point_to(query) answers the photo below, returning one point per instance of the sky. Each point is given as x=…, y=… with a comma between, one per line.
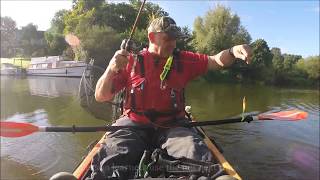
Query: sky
x=293, y=26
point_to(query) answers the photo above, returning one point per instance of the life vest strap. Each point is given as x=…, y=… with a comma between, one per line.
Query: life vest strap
x=140, y=60
x=150, y=114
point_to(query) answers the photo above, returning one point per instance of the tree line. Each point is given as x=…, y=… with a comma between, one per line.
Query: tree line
x=102, y=25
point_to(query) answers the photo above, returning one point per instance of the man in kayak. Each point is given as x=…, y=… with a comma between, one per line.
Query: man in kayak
x=154, y=82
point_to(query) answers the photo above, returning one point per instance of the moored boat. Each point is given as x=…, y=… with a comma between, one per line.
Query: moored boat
x=58, y=67
x=10, y=69
x=83, y=170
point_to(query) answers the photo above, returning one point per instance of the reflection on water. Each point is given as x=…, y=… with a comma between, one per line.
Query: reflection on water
x=266, y=149
x=38, y=117
x=42, y=151
x=44, y=102
x=53, y=87
x=21, y=171
x=258, y=150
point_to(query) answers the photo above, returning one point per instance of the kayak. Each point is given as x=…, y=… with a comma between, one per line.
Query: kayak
x=83, y=169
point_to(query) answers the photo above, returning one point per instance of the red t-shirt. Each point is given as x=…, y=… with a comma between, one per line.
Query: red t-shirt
x=148, y=94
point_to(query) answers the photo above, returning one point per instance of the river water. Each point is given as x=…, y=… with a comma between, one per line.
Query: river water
x=257, y=150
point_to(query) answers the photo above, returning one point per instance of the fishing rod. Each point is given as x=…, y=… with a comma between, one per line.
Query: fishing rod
x=136, y=21
x=127, y=44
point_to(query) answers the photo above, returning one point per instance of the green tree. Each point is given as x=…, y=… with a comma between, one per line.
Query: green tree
x=57, y=23
x=261, y=66
x=219, y=29
x=126, y=15
x=277, y=60
x=261, y=54
x=54, y=36
x=310, y=66
x=278, y=67
x=120, y=16
x=149, y=12
x=116, y=19
x=32, y=41
x=68, y=53
x=241, y=37
x=185, y=43
x=290, y=60
x=8, y=36
x=56, y=43
x=140, y=37
x=81, y=9
x=97, y=42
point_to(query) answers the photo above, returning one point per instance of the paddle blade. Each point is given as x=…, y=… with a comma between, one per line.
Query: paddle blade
x=16, y=129
x=290, y=115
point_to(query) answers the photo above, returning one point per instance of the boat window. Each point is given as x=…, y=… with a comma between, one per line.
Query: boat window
x=44, y=65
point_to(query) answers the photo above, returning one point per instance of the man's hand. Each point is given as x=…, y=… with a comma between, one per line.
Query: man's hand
x=104, y=88
x=227, y=57
x=119, y=60
x=243, y=52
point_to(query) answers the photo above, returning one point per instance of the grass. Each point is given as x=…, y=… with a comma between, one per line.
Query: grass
x=21, y=62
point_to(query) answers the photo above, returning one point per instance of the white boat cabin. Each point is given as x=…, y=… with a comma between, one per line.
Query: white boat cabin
x=51, y=62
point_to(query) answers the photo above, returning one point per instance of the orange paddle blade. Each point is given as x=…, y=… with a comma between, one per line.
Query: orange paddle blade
x=290, y=115
x=16, y=129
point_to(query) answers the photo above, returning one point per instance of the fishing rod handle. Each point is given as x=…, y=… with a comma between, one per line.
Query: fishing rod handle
x=129, y=45
x=126, y=44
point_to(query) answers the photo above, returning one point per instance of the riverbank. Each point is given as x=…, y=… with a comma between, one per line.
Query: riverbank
x=298, y=83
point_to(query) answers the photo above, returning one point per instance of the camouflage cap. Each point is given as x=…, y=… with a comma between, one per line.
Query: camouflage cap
x=167, y=25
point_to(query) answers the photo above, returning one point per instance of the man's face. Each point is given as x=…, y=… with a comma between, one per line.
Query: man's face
x=164, y=44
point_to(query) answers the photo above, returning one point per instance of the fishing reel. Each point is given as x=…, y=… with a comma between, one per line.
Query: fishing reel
x=130, y=46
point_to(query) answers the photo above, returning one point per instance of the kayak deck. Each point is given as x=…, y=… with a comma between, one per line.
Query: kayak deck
x=84, y=167
x=215, y=151
x=83, y=170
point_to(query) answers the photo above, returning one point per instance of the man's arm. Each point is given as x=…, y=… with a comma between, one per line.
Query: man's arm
x=227, y=57
x=104, y=88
